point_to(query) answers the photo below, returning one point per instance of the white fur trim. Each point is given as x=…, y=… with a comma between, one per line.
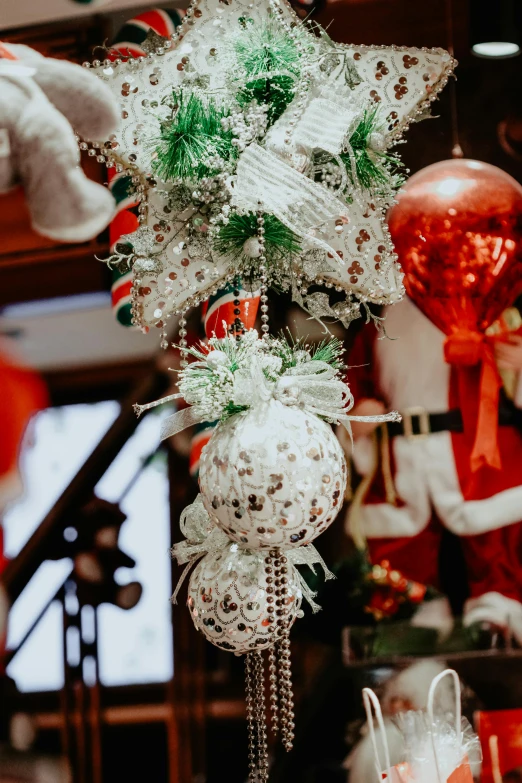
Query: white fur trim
x=479, y=516
x=87, y=226
x=426, y=477
x=411, y=368
x=497, y=609
x=361, y=761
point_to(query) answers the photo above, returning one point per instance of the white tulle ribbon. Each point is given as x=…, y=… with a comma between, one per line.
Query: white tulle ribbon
x=308, y=555
x=311, y=385
x=203, y=538
x=325, y=125
x=314, y=387
x=264, y=181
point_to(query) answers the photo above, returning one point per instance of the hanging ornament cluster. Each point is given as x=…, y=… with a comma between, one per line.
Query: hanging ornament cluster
x=247, y=111
x=272, y=478
x=261, y=153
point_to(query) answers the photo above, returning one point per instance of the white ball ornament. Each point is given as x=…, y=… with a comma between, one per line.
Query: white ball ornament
x=273, y=476
x=232, y=597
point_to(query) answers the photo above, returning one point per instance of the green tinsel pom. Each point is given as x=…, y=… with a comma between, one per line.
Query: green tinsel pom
x=191, y=138
x=211, y=387
x=276, y=92
x=329, y=350
x=375, y=169
x=280, y=241
x=268, y=62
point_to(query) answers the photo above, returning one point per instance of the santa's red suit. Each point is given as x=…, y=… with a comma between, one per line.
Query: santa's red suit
x=432, y=477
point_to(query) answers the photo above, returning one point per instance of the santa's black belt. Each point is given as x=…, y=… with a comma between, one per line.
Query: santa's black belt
x=417, y=422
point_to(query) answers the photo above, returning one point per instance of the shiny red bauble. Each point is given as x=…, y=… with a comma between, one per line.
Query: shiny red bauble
x=457, y=228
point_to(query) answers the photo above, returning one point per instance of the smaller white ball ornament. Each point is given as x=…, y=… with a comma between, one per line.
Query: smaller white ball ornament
x=232, y=599
x=273, y=476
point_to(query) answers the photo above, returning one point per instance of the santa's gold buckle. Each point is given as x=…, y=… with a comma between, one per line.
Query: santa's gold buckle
x=424, y=422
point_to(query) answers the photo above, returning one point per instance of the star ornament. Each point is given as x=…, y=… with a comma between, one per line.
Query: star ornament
x=252, y=136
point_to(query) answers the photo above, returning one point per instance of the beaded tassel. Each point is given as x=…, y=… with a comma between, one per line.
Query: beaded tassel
x=286, y=717
x=280, y=675
x=256, y=718
x=286, y=703
x=274, y=691
x=262, y=274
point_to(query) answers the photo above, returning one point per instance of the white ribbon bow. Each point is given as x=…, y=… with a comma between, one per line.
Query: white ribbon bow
x=263, y=180
x=311, y=385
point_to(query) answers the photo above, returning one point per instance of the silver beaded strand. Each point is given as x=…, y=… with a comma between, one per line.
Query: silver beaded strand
x=252, y=741
x=263, y=279
x=183, y=339
x=286, y=698
x=274, y=691
x=260, y=711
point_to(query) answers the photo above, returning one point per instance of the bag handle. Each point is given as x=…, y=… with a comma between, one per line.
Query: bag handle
x=370, y=700
x=458, y=712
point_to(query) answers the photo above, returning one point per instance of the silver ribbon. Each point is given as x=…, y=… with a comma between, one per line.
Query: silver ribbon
x=203, y=538
x=324, y=125
x=264, y=180
x=314, y=387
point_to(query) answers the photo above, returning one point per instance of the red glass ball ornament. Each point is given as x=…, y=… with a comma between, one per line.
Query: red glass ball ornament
x=457, y=228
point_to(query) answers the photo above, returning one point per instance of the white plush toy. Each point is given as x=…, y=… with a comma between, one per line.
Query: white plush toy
x=41, y=101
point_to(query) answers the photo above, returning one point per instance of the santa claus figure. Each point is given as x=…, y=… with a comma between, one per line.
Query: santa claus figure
x=417, y=474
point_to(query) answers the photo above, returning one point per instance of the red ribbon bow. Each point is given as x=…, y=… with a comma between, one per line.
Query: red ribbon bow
x=479, y=383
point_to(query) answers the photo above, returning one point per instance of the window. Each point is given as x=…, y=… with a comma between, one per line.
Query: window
x=134, y=646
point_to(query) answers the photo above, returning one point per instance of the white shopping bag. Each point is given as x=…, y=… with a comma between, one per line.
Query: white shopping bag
x=436, y=749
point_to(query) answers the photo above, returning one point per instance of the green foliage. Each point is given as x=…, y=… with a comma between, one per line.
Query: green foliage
x=276, y=92
x=191, y=138
x=231, y=410
x=280, y=241
x=211, y=386
x=267, y=61
x=375, y=169
x=330, y=351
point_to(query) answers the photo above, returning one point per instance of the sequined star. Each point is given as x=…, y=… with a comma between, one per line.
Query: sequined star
x=352, y=249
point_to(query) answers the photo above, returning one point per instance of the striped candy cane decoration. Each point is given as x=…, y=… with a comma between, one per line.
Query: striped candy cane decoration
x=134, y=32
x=127, y=44
x=231, y=307
x=234, y=307
x=125, y=221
